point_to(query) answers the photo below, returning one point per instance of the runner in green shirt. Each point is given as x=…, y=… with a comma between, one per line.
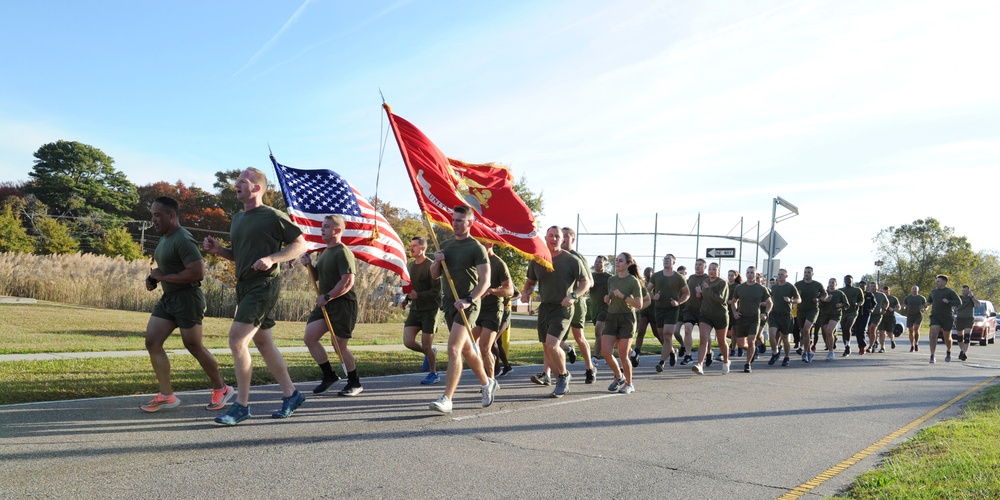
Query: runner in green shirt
x=713, y=315
x=888, y=323
x=692, y=309
x=579, y=313
x=424, y=302
x=746, y=308
x=779, y=321
x=881, y=303
x=964, y=319
x=491, y=315
x=597, y=292
x=808, y=311
x=915, y=304
x=943, y=301
x=855, y=298
x=669, y=292
x=626, y=294
x=831, y=308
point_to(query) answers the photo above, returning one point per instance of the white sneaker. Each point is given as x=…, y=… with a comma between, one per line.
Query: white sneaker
x=442, y=404
x=725, y=367
x=830, y=356
x=697, y=369
x=627, y=389
x=489, y=390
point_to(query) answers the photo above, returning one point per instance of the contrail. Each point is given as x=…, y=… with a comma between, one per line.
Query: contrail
x=274, y=39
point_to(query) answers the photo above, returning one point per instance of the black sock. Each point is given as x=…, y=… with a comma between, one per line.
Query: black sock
x=327, y=370
x=352, y=377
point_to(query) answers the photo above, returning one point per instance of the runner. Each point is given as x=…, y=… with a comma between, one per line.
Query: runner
x=830, y=309
x=881, y=302
x=597, y=292
x=424, y=301
x=713, y=315
x=736, y=345
x=558, y=288
x=579, y=312
x=647, y=318
x=746, y=309
x=915, y=304
x=964, y=319
x=692, y=309
x=469, y=267
x=335, y=270
x=180, y=268
x=262, y=237
x=669, y=293
x=942, y=301
x=811, y=293
x=855, y=298
x=888, y=323
x=626, y=295
x=780, y=322
x=491, y=315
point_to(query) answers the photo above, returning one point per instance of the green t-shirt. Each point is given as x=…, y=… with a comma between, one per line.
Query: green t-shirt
x=778, y=293
x=855, y=297
x=259, y=233
x=914, y=304
x=837, y=298
x=555, y=285
x=173, y=253
x=332, y=265
x=669, y=288
x=937, y=298
x=428, y=289
x=462, y=257
x=810, y=291
x=713, y=297
x=892, y=306
x=749, y=298
x=694, y=303
x=881, y=302
x=599, y=290
x=966, y=308
x=498, y=274
x=629, y=286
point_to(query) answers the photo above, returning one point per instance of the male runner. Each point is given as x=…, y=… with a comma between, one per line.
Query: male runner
x=579, y=311
x=713, y=315
x=491, y=316
x=855, y=298
x=597, y=292
x=779, y=322
x=888, y=323
x=914, y=304
x=830, y=309
x=692, y=309
x=424, y=301
x=669, y=291
x=811, y=293
x=942, y=301
x=881, y=303
x=964, y=319
x=747, y=301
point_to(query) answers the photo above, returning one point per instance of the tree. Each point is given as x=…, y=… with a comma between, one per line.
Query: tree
x=198, y=208
x=13, y=237
x=53, y=237
x=78, y=178
x=117, y=241
x=10, y=189
x=915, y=253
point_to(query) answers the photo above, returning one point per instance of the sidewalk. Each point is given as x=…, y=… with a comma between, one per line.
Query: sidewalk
x=225, y=351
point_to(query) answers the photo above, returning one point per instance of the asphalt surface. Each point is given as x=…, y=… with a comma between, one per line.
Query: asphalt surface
x=680, y=435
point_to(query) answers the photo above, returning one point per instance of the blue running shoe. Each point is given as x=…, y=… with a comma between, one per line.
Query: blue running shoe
x=289, y=405
x=430, y=379
x=426, y=366
x=236, y=414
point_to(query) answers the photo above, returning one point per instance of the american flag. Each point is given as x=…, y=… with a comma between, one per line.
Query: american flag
x=311, y=195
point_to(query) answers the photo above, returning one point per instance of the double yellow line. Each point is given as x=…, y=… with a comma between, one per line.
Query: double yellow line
x=826, y=475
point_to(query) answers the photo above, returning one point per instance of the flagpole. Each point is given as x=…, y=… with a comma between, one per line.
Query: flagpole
x=326, y=316
x=451, y=284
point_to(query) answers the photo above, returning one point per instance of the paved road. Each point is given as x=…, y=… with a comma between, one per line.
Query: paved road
x=679, y=436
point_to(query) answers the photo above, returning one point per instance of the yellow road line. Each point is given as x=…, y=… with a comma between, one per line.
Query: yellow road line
x=826, y=475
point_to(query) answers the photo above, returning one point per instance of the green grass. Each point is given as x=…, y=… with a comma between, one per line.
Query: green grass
x=50, y=327
x=955, y=459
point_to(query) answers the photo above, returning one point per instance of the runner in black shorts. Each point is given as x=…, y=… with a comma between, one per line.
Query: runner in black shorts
x=943, y=301
x=691, y=315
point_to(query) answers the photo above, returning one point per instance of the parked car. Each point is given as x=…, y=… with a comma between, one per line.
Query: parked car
x=984, y=327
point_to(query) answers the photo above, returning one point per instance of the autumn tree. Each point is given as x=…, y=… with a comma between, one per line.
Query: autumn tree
x=199, y=209
x=13, y=237
x=118, y=241
x=53, y=237
x=917, y=252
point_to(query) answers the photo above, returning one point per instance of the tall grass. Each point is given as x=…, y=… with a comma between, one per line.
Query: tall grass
x=114, y=283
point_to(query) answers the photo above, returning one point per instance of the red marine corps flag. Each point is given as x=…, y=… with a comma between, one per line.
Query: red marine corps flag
x=441, y=183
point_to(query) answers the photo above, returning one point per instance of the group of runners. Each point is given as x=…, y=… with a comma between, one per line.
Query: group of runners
x=476, y=306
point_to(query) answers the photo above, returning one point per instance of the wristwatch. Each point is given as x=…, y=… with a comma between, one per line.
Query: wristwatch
x=469, y=299
x=326, y=297
x=573, y=295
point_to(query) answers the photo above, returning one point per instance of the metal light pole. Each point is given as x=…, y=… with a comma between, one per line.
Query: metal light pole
x=878, y=273
x=774, y=220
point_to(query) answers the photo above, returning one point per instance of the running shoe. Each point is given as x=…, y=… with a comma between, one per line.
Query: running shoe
x=773, y=360
x=683, y=352
x=746, y=368
x=616, y=384
x=847, y=352
x=351, y=389
x=725, y=367
x=932, y=359
x=830, y=356
x=541, y=379
x=504, y=371
x=441, y=404
x=431, y=378
x=805, y=358
x=571, y=355
x=590, y=376
x=812, y=355
x=489, y=391
x=627, y=389
x=881, y=350
x=893, y=344
x=687, y=360
x=236, y=414
x=798, y=350
x=220, y=397
x=708, y=358
x=697, y=369
x=673, y=357
x=962, y=356
x=911, y=348
x=326, y=383
x=633, y=358
x=659, y=366
x=947, y=357
x=784, y=362
x=289, y=405
x=161, y=401
x=562, y=385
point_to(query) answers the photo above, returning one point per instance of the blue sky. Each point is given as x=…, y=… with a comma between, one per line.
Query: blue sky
x=863, y=114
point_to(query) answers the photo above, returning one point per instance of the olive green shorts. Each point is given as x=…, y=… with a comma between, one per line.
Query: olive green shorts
x=255, y=300
x=343, y=315
x=185, y=308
